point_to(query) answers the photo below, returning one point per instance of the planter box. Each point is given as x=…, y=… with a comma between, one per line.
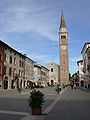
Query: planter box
x=36, y=111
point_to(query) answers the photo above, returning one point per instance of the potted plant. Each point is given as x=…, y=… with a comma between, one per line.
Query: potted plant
x=36, y=100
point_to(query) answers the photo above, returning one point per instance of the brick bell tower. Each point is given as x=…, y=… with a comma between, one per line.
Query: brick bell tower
x=63, y=44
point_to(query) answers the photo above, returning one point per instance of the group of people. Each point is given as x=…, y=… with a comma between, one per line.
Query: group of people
x=73, y=86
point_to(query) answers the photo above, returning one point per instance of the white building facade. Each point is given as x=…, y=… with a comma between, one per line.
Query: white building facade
x=81, y=74
x=37, y=73
x=54, y=73
x=86, y=64
x=41, y=75
x=44, y=76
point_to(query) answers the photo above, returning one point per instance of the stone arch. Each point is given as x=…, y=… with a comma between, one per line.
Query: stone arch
x=52, y=81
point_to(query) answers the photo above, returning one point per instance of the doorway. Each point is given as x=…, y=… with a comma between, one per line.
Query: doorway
x=5, y=84
x=51, y=82
x=12, y=84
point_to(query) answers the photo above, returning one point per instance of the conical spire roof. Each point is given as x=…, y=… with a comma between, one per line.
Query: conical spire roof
x=62, y=24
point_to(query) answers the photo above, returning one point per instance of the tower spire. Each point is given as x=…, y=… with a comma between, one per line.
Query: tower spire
x=62, y=24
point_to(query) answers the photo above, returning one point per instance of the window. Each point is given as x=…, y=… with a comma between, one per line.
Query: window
x=20, y=73
x=0, y=70
x=51, y=69
x=0, y=56
x=14, y=53
x=0, y=48
x=20, y=63
x=10, y=72
x=14, y=61
x=4, y=70
x=5, y=56
x=63, y=37
x=14, y=72
x=10, y=51
x=42, y=73
x=11, y=59
x=89, y=58
x=81, y=63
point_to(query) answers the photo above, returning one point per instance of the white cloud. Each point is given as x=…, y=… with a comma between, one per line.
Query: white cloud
x=43, y=59
x=24, y=19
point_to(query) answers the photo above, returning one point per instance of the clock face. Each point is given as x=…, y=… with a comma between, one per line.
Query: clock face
x=63, y=47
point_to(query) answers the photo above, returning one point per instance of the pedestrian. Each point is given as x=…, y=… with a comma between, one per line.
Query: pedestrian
x=74, y=86
x=71, y=86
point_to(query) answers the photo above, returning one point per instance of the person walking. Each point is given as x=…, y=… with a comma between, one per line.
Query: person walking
x=74, y=86
x=71, y=85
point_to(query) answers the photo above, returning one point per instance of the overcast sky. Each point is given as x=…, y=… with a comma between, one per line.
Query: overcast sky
x=32, y=26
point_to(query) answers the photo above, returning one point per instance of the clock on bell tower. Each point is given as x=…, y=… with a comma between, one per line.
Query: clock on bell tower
x=63, y=43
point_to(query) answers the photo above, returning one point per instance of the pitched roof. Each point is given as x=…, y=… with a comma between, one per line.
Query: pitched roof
x=88, y=43
x=52, y=63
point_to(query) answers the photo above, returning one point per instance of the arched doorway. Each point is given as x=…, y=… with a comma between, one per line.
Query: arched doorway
x=6, y=82
x=52, y=82
x=21, y=84
x=12, y=84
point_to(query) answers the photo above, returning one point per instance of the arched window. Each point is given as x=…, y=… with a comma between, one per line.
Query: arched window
x=14, y=72
x=10, y=71
x=10, y=59
x=22, y=74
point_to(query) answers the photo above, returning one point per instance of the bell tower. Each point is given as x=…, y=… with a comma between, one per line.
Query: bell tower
x=63, y=44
